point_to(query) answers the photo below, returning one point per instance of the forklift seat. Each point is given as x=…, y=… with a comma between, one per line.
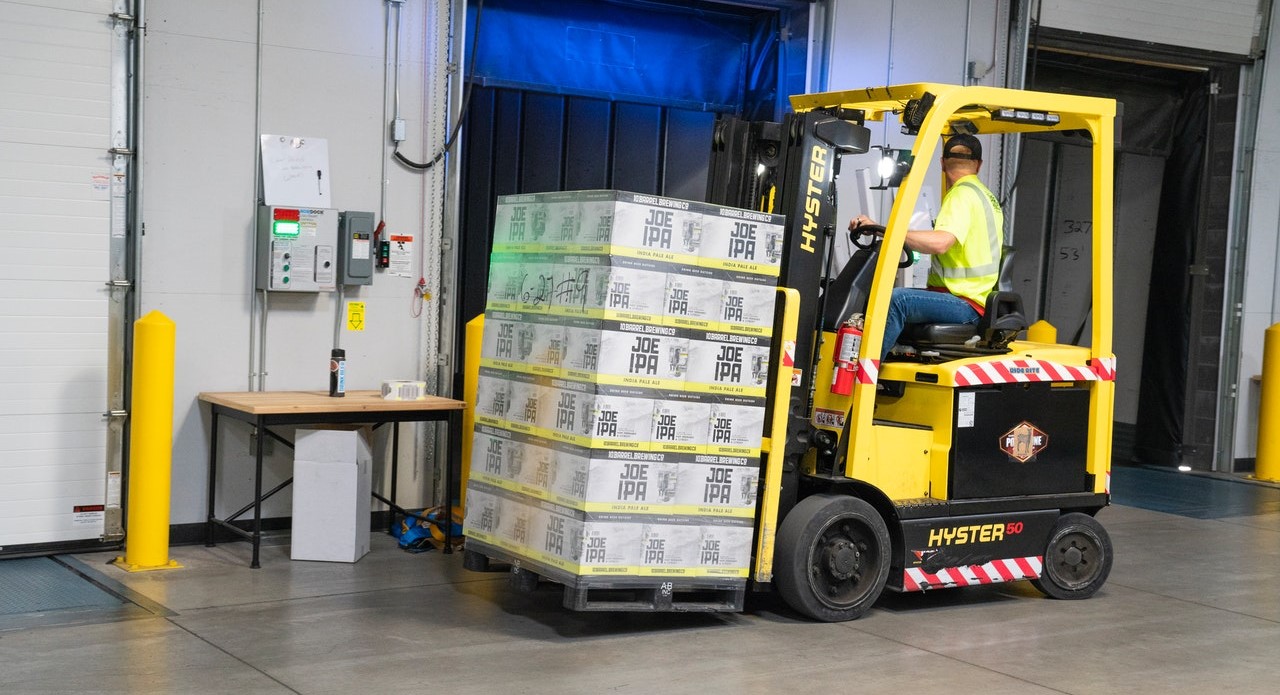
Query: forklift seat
x=1002, y=321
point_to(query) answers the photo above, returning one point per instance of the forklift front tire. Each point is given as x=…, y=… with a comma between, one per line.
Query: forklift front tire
x=832, y=557
x=1077, y=558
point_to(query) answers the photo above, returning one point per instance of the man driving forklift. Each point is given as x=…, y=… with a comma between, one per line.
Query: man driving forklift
x=965, y=245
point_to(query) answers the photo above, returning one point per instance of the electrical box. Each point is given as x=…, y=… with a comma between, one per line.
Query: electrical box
x=355, y=248
x=297, y=249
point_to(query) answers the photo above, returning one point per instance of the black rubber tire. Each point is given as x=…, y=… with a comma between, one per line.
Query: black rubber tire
x=831, y=557
x=1077, y=558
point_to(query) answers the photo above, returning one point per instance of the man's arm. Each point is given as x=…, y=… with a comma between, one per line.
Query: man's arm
x=930, y=241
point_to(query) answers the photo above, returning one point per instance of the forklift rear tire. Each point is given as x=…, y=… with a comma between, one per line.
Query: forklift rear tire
x=1077, y=558
x=832, y=558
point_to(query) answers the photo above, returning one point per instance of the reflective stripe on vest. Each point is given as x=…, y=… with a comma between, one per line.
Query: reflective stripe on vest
x=992, y=268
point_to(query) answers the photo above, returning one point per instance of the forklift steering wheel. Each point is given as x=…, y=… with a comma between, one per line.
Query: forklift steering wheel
x=876, y=232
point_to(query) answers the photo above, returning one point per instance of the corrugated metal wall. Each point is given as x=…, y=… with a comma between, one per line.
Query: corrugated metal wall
x=55, y=239
x=1225, y=26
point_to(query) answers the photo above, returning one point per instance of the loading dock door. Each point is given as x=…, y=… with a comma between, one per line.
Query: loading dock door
x=56, y=189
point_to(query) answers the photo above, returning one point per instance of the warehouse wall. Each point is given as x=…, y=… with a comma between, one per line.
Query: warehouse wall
x=322, y=76
x=1261, y=301
x=877, y=43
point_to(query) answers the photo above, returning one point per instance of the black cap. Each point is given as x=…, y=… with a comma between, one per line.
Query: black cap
x=966, y=141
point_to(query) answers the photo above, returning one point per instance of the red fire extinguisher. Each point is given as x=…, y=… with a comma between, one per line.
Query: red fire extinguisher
x=845, y=355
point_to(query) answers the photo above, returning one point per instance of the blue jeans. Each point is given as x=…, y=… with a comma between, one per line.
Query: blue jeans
x=912, y=305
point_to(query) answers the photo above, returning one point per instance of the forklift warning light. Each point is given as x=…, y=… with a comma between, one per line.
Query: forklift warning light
x=1022, y=116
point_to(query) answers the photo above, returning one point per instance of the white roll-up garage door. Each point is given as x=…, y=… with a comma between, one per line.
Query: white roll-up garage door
x=58, y=186
x=1225, y=26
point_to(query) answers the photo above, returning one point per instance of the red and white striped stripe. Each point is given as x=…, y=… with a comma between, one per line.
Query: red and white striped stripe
x=1104, y=367
x=1018, y=371
x=994, y=572
x=868, y=371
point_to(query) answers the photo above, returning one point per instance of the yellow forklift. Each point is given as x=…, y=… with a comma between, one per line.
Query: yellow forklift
x=972, y=455
x=976, y=456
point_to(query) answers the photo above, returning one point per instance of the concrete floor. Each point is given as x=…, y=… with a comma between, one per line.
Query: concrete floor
x=1192, y=606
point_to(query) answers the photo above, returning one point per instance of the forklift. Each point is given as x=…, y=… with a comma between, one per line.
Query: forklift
x=971, y=455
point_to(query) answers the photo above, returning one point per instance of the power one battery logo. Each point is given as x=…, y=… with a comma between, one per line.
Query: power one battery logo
x=644, y=355
x=742, y=241
x=657, y=229
x=1024, y=442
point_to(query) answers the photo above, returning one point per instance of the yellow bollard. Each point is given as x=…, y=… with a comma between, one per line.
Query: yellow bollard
x=1042, y=332
x=1268, y=466
x=470, y=383
x=146, y=544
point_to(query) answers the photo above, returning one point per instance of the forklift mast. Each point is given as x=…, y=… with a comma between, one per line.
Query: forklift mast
x=790, y=168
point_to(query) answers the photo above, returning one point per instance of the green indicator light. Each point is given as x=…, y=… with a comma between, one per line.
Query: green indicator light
x=285, y=228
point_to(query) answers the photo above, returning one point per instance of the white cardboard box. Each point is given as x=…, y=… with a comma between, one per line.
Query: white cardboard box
x=331, y=489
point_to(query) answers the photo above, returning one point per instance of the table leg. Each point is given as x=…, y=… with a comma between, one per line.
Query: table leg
x=454, y=457
x=395, y=467
x=260, y=433
x=213, y=476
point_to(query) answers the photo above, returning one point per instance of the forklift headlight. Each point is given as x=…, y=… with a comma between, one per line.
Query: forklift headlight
x=887, y=167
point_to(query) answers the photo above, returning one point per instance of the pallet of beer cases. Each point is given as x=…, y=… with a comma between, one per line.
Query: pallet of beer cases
x=620, y=405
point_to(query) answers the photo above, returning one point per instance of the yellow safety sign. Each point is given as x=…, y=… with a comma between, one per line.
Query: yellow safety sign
x=355, y=316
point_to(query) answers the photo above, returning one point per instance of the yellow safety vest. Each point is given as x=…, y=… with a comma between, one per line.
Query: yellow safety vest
x=971, y=267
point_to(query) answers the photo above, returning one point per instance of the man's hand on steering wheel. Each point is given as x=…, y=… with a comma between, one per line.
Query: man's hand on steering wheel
x=861, y=226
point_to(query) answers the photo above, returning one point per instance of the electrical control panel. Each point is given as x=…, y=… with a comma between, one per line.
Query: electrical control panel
x=355, y=248
x=297, y=249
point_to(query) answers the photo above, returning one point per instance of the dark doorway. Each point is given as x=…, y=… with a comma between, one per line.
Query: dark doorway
x=616, y=94
x=1175, y=128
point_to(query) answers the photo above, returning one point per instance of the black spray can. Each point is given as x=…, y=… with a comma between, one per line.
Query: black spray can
x=338, y=373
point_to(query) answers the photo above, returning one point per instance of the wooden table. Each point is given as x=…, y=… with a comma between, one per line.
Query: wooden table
x=264, y=409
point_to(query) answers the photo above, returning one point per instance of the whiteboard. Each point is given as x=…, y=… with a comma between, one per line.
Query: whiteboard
x=295, y=171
